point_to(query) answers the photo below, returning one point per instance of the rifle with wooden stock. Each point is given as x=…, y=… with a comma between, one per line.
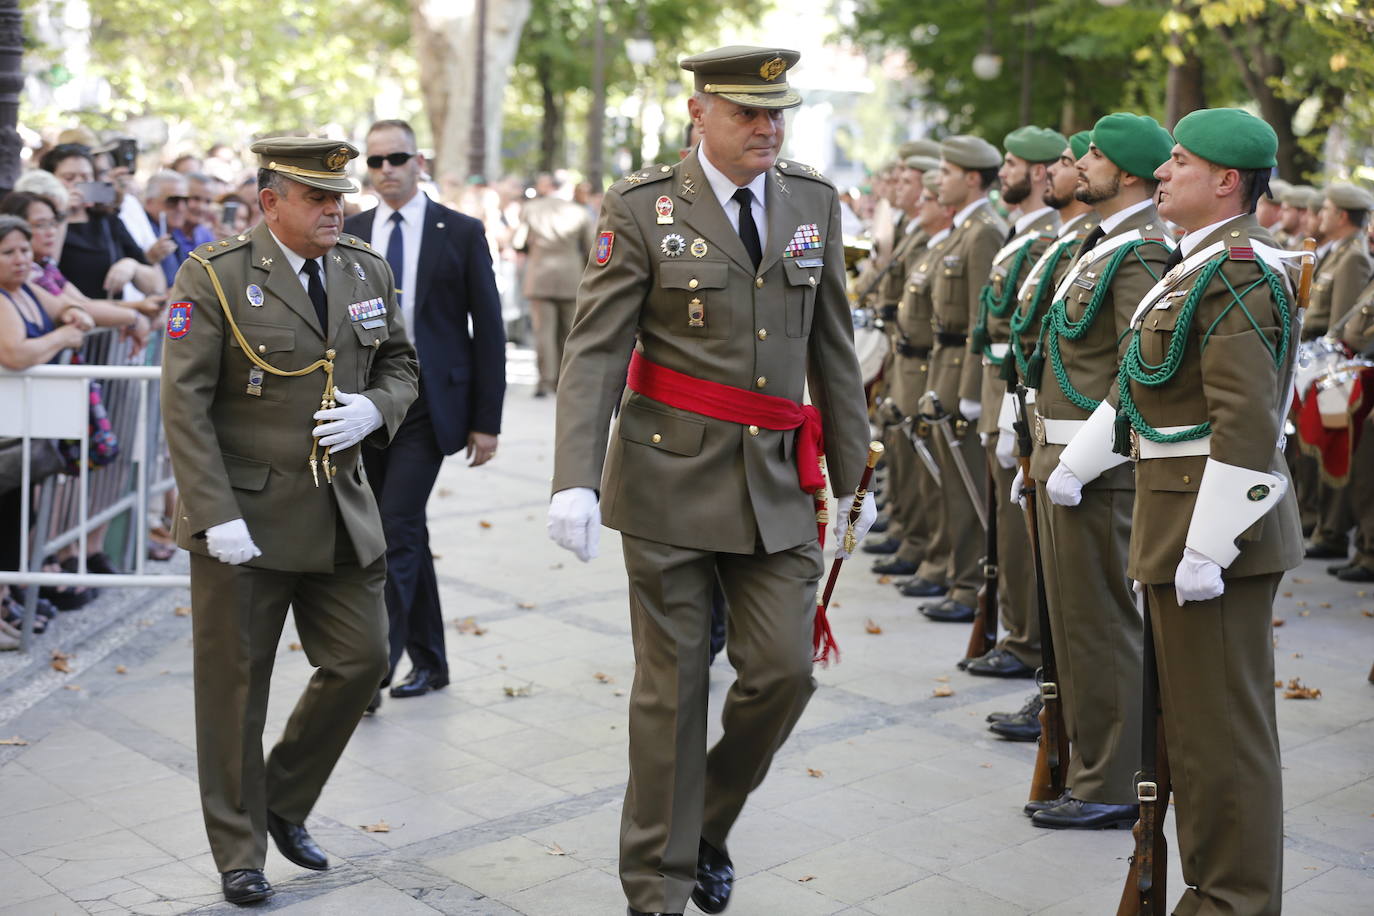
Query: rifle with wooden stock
x=982, y=639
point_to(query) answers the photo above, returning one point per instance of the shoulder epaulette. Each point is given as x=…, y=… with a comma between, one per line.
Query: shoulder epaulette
x=1240, y=253
x=646, y=175
x=359, y=244
x=792, y=167
x=214, y=249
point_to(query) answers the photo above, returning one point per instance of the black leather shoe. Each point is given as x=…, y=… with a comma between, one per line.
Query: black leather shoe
x=949, y=611
x=631, y=911
x=1335, y=568
x=883, y=547
x=880, y=524
x=894, y=566
x=1356, y=573
x=1030, y=708
x=1018, y=728
x=1320, y=551
x=245, y=885
x=1000, y=663
x=715, y=879
x=295, y=843
x=1034, y=806
x=1080, y=815
x=375, y=703
x=419, y=682
x=916, y=587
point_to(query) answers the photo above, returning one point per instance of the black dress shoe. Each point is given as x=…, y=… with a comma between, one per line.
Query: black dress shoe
x=419, y=682
x=949, y=611
x=1030, y=708
x=1033, y=806
x=1335, y=568
x=295, y=843
x=894, y=566
x=916, y=587
x=1017, y=728
x=1356, y=573
x=631, y=911
x=880, y=524
x=245, y=885
x=1000, y=663
x=885, y=546
x=1321, y=551
x=715, y=879
x=1080, y=815
x=375, y=703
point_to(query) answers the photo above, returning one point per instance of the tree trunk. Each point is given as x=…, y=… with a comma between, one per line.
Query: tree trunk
x=11, y=83
x=551, y=127
x=444, y=33
x=596, y=118
x=1259, y=69
x=1183, y=92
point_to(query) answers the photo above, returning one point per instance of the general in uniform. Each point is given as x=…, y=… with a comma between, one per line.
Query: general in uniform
x=719, y=283
x=285, y=351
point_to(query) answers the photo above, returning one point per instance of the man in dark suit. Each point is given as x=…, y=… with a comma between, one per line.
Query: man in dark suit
x=444, y=278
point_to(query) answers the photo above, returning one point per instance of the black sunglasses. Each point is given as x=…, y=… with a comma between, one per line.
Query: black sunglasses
x=396, y=159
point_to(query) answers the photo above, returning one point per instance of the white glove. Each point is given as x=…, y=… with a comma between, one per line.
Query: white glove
x=575, y=521
x=1064, y=488
x=970, y=409
x=1017, y=483
x=349, y=424
x=1137, y=587
x=984, y=439
x=1005, y=446
x=868, y=514
x=231, y=543
x=1197, y=578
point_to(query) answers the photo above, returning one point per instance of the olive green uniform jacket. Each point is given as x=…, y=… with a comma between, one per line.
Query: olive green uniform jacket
x=1340, y=276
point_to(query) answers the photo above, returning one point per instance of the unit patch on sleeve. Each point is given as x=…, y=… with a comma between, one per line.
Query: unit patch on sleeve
x=605, y=241
x=179, y=319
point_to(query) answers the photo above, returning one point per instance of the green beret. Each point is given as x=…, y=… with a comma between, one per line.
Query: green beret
x=970, y=152
x=745, y=75
x=1035, y=144
x=1349, y=196
x=320, y=163
x=1136, y=144
x=1277, y=188
x=911, y=148
x=922, y=163
x=1228, y=137
x=1079, y=143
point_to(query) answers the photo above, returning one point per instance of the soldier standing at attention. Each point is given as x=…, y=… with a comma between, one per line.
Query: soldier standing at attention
x=968, y=169
x=1200, y=400
x=275, y=507
x=719, y=283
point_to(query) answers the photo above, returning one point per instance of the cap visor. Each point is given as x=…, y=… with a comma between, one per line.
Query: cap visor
x=788, y=99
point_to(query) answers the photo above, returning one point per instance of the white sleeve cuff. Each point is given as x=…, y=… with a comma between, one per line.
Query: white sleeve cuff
x=1229, y=500
x=1089, y=455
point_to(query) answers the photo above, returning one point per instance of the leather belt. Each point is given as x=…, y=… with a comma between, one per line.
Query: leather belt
x=1148, y=448
x=912, y=352
x=945, y=339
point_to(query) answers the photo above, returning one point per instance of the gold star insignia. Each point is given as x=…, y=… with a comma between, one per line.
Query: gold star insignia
x=337, y=259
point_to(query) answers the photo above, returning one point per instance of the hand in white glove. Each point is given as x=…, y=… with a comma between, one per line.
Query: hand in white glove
x=1063, y=488
x=1017, y=483
x=348, y=424
x=231, y=543
x=868, y=514
x=1006, y=443
x=575, y=521
x=1197, y=578
x=970, y=409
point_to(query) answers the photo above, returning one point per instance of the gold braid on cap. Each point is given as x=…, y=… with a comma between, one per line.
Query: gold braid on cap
x=327, y=364
x=769, y=89
x=308, y=173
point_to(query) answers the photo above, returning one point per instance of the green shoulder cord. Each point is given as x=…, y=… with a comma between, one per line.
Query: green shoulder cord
x=1135, y=369
x=1058, y=323
x=1031, y=368
x=988, y=304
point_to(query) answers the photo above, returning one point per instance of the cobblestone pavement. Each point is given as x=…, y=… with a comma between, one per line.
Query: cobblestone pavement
x=888, y=800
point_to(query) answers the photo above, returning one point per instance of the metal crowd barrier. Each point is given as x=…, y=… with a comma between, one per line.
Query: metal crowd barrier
x=53, y=402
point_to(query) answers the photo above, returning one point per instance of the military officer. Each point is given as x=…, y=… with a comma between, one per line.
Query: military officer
x=968, y=169
x=1215, y=522
x=1358, y=334
x=719, y=282
x=274, y=505
x=1025, y=178
x=1085, y=515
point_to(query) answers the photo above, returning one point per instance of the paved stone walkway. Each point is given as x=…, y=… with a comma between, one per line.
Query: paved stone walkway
x=888, y=800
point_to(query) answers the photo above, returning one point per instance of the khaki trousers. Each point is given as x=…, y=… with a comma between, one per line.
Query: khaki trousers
x=550, y=320
x=1335, y=516
x=964, y=569
x=1361, y=490
x=1097, y=636
x=1018, y=610
x=1216, y=681
x=678, y=793
x=236, y=622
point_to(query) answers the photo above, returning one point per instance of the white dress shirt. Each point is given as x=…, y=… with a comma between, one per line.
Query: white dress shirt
x=965, y=213
x=412, y=230
x=724, y=190
x=298, y=263
x=1116, y=219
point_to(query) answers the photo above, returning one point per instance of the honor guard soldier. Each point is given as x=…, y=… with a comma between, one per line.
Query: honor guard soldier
x=1357, y=332
x=285, y=351
x=719, y=283
x=968, y=169
x=1199, y=404
x=1085, y=509
x=1269, y=210
x=1024, y=178
x=1292, y=206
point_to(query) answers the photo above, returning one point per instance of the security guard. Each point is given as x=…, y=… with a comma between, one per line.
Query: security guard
x=719, y=283
x=1215, y=522
x=285, y=350
x=968, y=169
x=1085, y=509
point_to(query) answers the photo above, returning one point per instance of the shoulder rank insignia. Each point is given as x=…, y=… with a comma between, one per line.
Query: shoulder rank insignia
x=605, y=241
x=1241, y=253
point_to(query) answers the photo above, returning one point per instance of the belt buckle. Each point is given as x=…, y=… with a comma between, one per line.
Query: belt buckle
x=1147, y=791
x=1135, y=445
x=1040, y=438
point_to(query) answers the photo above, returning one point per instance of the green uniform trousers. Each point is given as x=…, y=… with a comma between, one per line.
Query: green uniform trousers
x=895, y=490
x=964, y=568
x=1015, y=570
x=678, y=793
x=1097, y=636
x=1216, y=680
x=1335, y=516
x=236, y=621
x=1361, y=489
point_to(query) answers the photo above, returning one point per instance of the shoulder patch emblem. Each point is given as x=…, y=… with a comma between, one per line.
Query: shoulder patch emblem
x=1257, y=493
x=179, y=319
x=605, y=241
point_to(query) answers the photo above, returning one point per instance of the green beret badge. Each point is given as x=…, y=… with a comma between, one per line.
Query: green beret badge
x=1258, y=492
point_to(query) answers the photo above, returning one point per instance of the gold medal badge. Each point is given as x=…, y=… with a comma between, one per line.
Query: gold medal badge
x=772, y=69
x=336, y=160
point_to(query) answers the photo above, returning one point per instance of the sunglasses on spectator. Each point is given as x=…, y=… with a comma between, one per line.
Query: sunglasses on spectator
x=177, y=200
x=396, y=159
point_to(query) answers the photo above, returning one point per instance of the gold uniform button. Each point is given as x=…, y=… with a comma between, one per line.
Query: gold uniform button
x=656, y=438
x=761, y=381
x=782, y=165
x=692, y=283
x=1235, y=234
x=1187, y=479
x=753, y=430
x=811, y=280
x=763, y=333
x=664, y=168
x=262, y=348
x=911, y=289
x=758, y=281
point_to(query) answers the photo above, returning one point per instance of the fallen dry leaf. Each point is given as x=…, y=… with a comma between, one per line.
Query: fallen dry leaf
x=1325, y=604
x=120, y=669
x=294, y=647
x=1297, y=655
x=1362, y=594
x=519, y=691
x=1278, y=684
x=1297, y=581
x=15, y=741
x=165, y=671
x=1304, y=613
x=526, y=605
x=1299, y=691
x=1302, y=604
x=60, y=664
x=943, y=679
x=556, y=566
x=617, y=693
x=435, y=556
x=871, y=627
x=805, y=878
x=182, y=611
x=944, y=690
x=1279, y=621
x=484, y=524
x=1288, y=594
x=604, y=678
x=468, y=626
x=836, y=604
x=814, y=773
x=884, y=580
x=72, y=687
x=1367, y=612
x=986, y=766
x=379, y=827
x=555, y=850
x=445, y=492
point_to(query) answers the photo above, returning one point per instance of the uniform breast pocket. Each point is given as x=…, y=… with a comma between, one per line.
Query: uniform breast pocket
x=693, y=295
x=1156, y=333
x=371, y=340
x=268, y=342
x=801, y=297
x=950, y=279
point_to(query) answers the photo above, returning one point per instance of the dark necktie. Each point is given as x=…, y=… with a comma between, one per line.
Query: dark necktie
x=395, y=253
x=1093, y=238
x=1175, y=258
x=315, y=287
x=1011, y=234
x=748, y=230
